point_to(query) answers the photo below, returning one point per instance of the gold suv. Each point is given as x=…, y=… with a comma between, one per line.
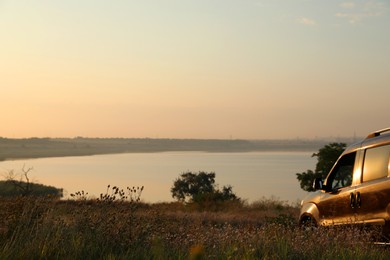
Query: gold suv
x=356, y=190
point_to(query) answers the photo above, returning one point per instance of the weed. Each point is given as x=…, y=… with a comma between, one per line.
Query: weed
x=125, y=228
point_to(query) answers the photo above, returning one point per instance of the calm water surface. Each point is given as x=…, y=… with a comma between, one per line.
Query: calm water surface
x=252, y=175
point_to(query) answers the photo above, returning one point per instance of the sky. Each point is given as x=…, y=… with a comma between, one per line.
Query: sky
x=204, y=69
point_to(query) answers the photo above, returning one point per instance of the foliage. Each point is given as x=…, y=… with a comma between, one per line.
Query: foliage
x=113, y=194
x=199, y=188
x=38, y=228
x=19, y=184
x=12, y=189
x=326, y=157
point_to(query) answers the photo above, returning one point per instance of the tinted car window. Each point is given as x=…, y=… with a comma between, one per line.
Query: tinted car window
x=341, y=175
x=376, y=163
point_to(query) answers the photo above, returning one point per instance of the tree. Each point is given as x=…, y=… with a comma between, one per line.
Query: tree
x=326, y=157
x=24, y=187
x=199, y=187
x=20, y=185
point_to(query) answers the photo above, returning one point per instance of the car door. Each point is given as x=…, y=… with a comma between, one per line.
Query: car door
x=373, y=195
x=335, y=204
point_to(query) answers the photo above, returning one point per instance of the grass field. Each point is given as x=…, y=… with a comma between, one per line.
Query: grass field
x=108, y=228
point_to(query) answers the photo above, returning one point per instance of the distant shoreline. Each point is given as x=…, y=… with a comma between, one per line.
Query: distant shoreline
x=33, y=148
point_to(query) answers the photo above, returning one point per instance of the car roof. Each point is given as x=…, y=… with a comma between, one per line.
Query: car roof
x=380, y=137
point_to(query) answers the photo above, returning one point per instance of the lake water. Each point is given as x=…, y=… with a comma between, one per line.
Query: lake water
x=253, y=175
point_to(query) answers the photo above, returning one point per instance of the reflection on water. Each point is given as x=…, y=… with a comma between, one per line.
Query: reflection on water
x=252, y=175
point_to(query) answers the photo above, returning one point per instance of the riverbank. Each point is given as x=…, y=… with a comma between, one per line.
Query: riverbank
x=60, y=147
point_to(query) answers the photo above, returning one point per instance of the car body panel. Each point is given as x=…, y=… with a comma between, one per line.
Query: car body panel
x=335, y=208
x=375, y=201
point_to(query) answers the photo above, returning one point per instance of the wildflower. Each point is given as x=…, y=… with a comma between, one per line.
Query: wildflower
x=196, y=252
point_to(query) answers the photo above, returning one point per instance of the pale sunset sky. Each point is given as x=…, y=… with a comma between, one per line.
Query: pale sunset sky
x=241, y=69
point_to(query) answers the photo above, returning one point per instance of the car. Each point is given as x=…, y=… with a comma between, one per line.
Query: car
x=357, y=188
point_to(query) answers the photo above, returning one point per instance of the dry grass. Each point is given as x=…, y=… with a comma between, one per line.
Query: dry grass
x=90, y=229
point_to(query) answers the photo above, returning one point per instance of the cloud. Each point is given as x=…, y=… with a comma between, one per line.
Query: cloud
x=359, y=12
x=348, y=5
x=307, y=21
x=351, y=17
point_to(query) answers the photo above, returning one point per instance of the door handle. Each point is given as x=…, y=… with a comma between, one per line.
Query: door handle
x=352, y=200
x=358, y=200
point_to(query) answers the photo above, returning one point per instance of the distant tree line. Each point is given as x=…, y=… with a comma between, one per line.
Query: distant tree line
x=56, y=147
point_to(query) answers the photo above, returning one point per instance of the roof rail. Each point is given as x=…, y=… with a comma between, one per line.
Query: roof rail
x=377, y=133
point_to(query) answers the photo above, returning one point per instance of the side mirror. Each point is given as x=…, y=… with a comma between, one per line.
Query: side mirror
x=318, y=184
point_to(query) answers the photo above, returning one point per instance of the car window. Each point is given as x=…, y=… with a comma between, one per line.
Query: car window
x=376, y=163
x=341, y=175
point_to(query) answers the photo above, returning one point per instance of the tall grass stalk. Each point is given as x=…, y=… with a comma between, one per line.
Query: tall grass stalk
x=32, y=228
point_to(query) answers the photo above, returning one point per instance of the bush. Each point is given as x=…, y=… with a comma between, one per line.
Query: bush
x=12, y=189
x=200, y=188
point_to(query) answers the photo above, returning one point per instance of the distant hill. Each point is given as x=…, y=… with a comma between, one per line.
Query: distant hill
x=59, y=147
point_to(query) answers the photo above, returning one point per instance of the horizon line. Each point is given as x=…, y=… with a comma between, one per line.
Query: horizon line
x=192, y=138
